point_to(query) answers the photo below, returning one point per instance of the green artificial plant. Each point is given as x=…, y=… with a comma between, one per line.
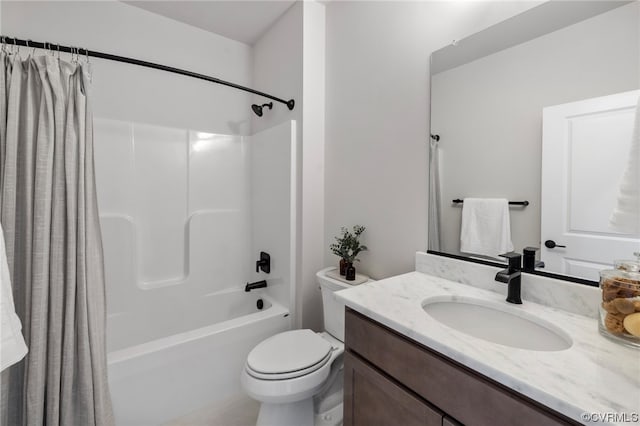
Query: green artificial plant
x=348, y=246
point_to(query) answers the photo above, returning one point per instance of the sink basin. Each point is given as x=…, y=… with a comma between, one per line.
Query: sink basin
x=497, y=323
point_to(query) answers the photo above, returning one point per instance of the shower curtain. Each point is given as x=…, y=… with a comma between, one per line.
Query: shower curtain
x=434, y=197
x=48, y=210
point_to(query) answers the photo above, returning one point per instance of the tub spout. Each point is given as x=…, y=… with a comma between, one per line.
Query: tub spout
x=253, y=286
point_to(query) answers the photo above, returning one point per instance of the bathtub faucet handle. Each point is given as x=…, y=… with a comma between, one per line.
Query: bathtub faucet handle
x=264, y=263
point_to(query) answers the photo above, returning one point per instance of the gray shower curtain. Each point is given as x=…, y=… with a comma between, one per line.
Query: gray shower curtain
x=48, y=210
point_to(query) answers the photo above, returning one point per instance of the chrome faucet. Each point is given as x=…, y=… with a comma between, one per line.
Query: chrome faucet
x=512, y=277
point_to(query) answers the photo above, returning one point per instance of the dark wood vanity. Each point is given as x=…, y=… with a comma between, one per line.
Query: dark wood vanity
x=392, y=380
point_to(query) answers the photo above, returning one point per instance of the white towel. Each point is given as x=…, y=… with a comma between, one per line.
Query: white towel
x=626, y=214
x=486, y=229
x=12, y=346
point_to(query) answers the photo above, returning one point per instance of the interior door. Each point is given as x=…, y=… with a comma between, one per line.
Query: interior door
x=585, y=149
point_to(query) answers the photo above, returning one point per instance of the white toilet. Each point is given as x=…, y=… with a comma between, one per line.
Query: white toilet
x=297, y=374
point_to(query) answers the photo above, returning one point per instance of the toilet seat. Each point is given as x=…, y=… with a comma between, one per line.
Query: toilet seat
x=285, y=387
x=288, y=355
x=289, y=374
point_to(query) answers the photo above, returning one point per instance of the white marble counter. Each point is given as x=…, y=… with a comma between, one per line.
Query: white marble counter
x=595, y=375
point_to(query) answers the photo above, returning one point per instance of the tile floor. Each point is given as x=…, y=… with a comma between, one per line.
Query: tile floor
x=240, y=411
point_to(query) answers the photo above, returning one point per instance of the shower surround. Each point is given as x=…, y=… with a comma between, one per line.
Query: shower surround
x=184, y=216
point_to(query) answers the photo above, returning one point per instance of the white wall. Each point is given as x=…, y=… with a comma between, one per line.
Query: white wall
x=313, y=164
x=277, y=69
x=288, y=62
x=273, y=208
x=132, y=93
x=499, y=98
x=377, y=119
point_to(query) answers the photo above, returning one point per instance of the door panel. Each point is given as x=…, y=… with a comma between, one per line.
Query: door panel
x=585, y=149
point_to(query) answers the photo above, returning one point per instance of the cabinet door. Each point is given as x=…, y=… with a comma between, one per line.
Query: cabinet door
x=370, y=399
x=448, y=421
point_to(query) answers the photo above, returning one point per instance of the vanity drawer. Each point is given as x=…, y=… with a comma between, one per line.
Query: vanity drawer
x=469, y=397
x=371, y=399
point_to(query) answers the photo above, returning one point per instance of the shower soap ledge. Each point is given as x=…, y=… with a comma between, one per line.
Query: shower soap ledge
x=335, y=274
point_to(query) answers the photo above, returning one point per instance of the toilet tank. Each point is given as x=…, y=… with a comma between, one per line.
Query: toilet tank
x=332, y=309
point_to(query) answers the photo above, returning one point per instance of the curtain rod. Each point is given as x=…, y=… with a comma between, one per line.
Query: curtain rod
x=82, y=51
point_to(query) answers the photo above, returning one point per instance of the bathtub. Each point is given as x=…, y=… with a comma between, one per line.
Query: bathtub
x=167, y=377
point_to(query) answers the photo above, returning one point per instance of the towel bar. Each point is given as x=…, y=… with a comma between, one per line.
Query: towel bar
x=511, y=203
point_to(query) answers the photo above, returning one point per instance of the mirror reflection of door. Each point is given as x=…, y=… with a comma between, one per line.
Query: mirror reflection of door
x=488, y=93
x=585, y=151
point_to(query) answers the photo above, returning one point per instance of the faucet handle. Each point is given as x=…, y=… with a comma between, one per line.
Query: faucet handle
x=264, y=263
x=529, y=259
x=514, y=259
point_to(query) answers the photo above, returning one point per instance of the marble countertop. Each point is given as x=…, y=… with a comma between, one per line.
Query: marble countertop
x=595, y=375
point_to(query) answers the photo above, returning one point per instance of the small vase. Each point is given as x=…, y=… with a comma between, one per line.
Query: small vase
x=350, y=272
x=343, y=267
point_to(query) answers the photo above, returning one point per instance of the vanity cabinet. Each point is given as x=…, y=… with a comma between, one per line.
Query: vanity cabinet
x=391, y=380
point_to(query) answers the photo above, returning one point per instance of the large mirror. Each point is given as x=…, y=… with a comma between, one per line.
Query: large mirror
x=540, y=110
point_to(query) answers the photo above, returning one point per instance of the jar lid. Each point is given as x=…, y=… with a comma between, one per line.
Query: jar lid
x=621, y=274
x=628, y=265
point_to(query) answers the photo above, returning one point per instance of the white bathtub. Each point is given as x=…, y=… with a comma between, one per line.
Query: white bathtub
x=162, y=379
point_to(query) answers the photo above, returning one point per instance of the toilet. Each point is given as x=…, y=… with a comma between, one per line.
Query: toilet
x=297, y=374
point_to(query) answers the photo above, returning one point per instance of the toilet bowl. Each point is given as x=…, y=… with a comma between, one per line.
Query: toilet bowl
x=297, y=374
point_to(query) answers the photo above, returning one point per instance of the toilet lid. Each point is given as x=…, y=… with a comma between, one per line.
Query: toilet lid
x=289, y=351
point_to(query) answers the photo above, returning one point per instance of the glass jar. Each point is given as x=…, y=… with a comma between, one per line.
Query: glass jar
x=620, y=307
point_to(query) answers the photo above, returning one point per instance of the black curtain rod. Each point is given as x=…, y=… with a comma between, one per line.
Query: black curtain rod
x=511, y=203
x=81, y=51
